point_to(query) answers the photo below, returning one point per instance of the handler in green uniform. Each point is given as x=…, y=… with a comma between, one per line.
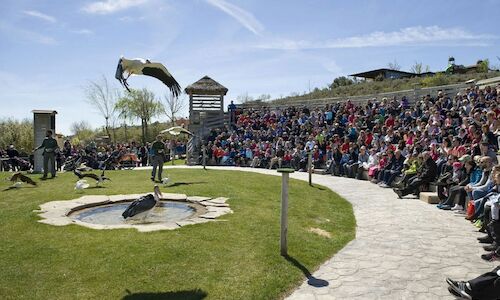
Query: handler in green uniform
x=157, y=157
x=49, y=146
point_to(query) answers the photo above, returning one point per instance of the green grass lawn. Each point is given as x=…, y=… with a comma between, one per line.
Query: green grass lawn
x=234, y=259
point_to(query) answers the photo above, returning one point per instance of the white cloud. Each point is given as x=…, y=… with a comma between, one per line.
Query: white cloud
x=410, y=36
x=111, y=6
x=83, y=31
x=242, y=16
x=17, y=33
x=131, y=19
x=39, y=15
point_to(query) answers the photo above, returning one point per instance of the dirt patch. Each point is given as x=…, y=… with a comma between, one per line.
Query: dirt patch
x=320, y=232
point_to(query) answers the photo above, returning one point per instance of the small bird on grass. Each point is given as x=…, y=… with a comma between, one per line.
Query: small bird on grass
x=81, y=185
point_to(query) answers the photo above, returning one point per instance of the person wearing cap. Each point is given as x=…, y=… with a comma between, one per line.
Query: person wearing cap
x=157, y=157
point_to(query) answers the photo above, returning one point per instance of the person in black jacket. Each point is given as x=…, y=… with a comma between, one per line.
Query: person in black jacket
x=13, y=155
x=484, y=287
x=334, y=166
x=427, y=174
x=390, y=173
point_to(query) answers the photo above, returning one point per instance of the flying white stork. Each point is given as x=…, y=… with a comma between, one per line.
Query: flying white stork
x=140, y=208
x=176, y=130
x=140, y=66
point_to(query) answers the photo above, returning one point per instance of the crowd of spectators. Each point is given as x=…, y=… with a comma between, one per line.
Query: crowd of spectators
x=450, y=141
x=95, y=156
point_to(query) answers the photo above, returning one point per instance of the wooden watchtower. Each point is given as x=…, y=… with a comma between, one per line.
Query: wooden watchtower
x=206, y=110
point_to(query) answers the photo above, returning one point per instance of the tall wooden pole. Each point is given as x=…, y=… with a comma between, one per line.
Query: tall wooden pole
x=172, y=152
x=204, y=153
x=284, y=210
x=309, y=166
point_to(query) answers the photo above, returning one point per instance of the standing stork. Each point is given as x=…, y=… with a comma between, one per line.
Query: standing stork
x=140, y=66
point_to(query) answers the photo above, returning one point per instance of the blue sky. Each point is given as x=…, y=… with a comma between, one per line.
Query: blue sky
x=50, y=49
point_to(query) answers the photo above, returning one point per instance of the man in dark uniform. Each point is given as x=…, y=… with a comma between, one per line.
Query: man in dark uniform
x=484, y=287
x=49, y=146
x=157, y=157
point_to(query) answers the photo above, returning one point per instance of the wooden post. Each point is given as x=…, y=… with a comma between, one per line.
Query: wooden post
x=187, y=150
x=309, y=166
x=172, y=153
x=284, y=210
x=204, y=153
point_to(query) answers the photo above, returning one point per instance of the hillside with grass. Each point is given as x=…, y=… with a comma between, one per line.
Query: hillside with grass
x=345, y=87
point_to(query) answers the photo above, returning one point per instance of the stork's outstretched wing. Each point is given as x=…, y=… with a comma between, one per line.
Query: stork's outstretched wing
x=159, y=71
x=176, y=130
x=18, y=176
x=119, y=75
x=15, y=177
x=26, y=179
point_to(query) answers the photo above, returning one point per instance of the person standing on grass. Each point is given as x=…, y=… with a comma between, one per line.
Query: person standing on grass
x=50, y=147
x=157, y=157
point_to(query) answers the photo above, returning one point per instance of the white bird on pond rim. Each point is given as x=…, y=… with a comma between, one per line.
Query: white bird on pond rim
x=140, y=66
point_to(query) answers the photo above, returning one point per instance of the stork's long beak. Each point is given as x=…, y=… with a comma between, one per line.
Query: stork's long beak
x=157, y=191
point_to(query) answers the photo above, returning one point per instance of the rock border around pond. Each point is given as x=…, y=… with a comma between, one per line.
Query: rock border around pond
x=58, y=213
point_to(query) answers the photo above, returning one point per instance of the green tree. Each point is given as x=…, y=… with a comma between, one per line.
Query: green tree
x=82, y=132
x=483, y=66
x=436, y=80
x=142, y=105
x=341, y=81
x=18, y=133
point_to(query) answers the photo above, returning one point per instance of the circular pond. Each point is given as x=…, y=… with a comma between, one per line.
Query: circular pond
x=112, y=214
x=105, y=212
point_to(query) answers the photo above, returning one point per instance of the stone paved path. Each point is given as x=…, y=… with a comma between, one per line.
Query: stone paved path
x=404, y=249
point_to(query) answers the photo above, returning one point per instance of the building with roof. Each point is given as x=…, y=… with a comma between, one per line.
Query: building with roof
x=388, y=74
